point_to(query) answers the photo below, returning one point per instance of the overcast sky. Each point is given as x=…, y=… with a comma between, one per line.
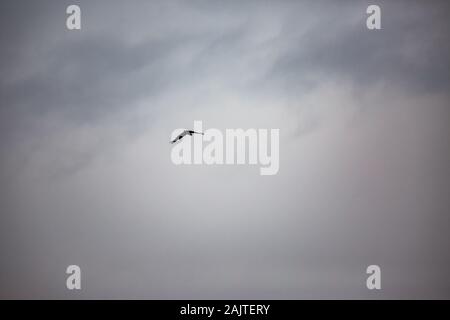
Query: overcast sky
x=86, y=176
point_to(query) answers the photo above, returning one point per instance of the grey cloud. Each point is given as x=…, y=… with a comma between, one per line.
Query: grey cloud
x=404, y=52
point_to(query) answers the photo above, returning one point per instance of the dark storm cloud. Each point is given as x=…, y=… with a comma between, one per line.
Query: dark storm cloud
x=88, y=76
x=91, y=77
x=85, y=119
x=92, y=74
x=405, y=52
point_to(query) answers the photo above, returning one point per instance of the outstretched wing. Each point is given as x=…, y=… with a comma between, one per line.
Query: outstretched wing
x=192, y=131
x=181, y=135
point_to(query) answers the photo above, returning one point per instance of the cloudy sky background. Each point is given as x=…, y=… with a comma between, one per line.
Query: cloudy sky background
x=85, y=170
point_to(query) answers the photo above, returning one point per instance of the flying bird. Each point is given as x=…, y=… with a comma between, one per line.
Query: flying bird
x=185, y=132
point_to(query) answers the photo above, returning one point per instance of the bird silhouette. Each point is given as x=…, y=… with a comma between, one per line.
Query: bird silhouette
x=184, y=133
